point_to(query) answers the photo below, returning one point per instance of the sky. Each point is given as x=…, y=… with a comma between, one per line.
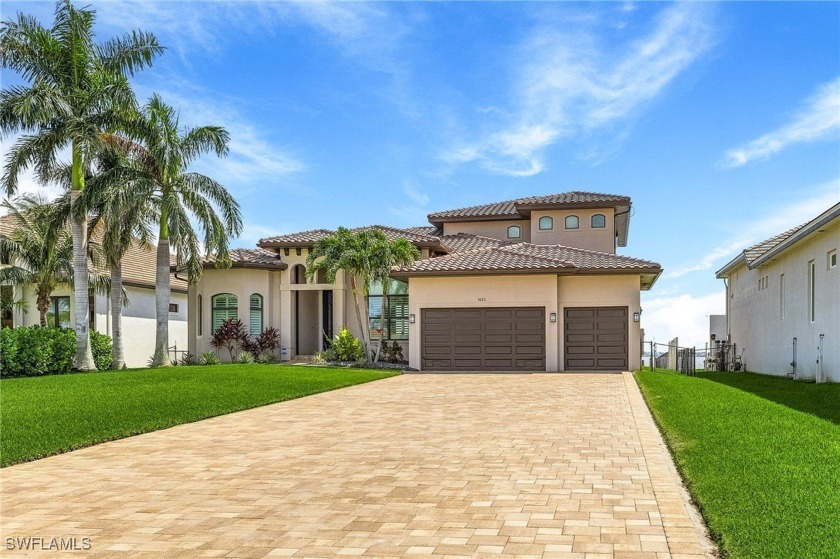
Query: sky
x=720, y=121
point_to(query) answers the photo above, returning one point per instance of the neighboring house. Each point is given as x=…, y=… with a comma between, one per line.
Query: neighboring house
x=783, y=301
x=138, y=323
x=531, y=284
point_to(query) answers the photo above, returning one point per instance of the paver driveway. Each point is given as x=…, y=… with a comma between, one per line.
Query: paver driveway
x=463, y=465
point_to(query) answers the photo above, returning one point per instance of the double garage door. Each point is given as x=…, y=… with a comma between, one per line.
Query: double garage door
x=513, y=339
x=491, y=339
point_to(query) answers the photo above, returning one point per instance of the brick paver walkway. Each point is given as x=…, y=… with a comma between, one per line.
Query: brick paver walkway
x=418, y=465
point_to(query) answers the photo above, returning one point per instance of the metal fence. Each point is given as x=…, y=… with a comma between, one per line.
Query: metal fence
x=673, y=357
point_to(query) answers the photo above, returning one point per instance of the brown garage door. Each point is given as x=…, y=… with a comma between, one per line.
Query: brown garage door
x=595, y=339
x=494, y=339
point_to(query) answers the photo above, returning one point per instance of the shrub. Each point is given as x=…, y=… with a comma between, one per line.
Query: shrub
x=245, y=357
x=36, y=351
x=266, y=343
x=230, y=335
x=189, y=359
x=319, y=358
x=266, y=358
x=347, y=347
x=103, y=350
x=393, y=353
x=210, y=358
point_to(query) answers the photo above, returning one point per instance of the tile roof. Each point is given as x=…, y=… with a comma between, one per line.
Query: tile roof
x=752, y=253
x=525, y=257
x=246, y=258
x=425, y=230
x=513, y=208
x=306, y=238
x=138, y=264
x=465, y=241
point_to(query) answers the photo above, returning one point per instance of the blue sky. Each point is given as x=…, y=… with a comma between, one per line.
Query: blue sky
x=721, y=121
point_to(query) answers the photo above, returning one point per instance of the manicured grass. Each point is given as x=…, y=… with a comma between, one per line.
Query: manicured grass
x=760, y=455
x=40, y=416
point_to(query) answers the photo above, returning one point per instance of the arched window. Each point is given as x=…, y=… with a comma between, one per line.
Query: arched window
x=599, y=221
x=225, y=306
x=298, y=274
x=514, y=232
x=321, y=276
x=256, y=318
x=572, y=222
x=200, y=315
x=546, y=223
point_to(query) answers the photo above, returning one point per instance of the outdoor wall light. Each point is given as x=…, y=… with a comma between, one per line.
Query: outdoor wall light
x=552, y=317
x=412, y=318
x=637, y=316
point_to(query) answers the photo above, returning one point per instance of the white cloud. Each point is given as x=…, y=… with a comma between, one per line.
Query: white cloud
x=818, y=119
x=764, y=227
x=684, y=316
x=568, y=82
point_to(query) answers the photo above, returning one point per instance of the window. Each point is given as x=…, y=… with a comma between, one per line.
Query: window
x=173, y=307
x=598, y=221
x=514, y=232
x=91, y=313
x=200, y=315
x=546, y=223
x=782, y=296
x=225, y=306
x=7, y=305
x=256, y=322
x=812, y=284
x=832, y=259
x=572, y=222
x=58, y=315
x=394, y=308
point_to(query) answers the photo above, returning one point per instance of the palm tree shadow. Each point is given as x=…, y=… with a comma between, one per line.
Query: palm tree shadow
x=820, y=400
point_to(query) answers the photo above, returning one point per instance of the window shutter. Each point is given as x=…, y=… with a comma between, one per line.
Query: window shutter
x=256, y=325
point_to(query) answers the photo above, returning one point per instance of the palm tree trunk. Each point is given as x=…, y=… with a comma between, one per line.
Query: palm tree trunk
x=359, y=317
x=116, y=316
x=78, y=228
x=161, y=357
x=43, y=304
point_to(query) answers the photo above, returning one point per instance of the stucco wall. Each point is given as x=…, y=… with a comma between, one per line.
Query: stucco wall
x=493, y=229
x=483, y=291
x=585, y=237
x=764, y=332
x=138, y=323
x=602, y=291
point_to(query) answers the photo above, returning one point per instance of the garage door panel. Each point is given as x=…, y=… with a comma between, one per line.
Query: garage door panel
x=596, y=339
x=483, y=339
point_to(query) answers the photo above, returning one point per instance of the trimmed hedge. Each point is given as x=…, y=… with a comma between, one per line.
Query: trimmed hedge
x=36, y=351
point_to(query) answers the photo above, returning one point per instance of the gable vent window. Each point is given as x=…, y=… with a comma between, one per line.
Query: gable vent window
x=546, y=223
x=256, y=318
x=173, y=307
x=572, y=222
x=514, y=232
x=598, y=221
x=832, y=259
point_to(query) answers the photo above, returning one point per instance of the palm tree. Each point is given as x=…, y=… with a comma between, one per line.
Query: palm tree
x=366, y=256
x=39, y=251
x=161, y=176
x=77, y=89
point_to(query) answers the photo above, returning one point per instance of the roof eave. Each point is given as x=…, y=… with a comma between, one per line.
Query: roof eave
x=814, y=226
x=731, y=265
x=438, y=221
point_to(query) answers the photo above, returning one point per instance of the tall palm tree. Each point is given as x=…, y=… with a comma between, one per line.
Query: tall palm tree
x=77, y=89
x=161, y=175
x=39, y=251
x=366, y=256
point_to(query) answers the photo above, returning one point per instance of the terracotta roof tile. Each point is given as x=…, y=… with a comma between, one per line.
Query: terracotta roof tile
x=306, y=238
x=393, y=233
x=257, y=257
x=753, y=252
x=466, y=241
x=524, y=257
x=425, y=230
x=511, y=208
x=301, y=238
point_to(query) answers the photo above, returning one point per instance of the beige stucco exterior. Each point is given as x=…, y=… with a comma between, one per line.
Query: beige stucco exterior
x=492, y=229
x=600, y=239
x=553, y=292
x=767, y=307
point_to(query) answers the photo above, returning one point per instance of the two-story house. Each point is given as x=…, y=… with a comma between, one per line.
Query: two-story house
x=532, y=284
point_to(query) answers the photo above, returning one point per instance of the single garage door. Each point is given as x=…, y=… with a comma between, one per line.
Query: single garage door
x=492, y=339
x=595, y=339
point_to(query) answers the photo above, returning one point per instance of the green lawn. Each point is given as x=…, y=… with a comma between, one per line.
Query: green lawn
x=40, y=416
x=761, y=456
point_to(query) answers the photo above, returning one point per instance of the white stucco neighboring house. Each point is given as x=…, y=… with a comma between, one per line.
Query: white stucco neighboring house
x=783, y=301
x=138, y=322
